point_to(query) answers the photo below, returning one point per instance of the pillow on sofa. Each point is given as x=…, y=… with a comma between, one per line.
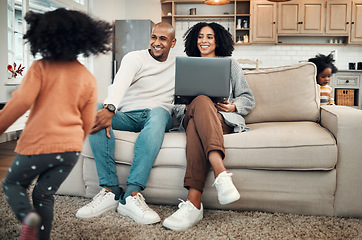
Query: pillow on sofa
x=287, y=93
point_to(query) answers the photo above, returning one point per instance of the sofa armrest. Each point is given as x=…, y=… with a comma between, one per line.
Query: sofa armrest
x=345, y=123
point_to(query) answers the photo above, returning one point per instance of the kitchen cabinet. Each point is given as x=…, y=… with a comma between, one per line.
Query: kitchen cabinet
x=301, y=17
x=356, y=23
x=338, y=19
x=264, y=22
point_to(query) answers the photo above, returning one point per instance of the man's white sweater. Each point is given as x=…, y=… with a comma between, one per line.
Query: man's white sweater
x=143, y=82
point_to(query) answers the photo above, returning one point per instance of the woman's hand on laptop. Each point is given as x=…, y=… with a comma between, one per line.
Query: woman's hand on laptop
x=225, y=106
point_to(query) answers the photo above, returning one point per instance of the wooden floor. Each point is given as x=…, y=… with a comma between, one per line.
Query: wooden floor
x=6, y=157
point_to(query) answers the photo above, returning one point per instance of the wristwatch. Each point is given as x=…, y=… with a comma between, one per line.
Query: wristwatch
x=110, y=107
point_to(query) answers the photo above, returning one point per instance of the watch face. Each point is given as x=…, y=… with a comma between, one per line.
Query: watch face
x=111, y=107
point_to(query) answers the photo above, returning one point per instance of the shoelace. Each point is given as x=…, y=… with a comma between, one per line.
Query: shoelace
x=181, y=203
x=183, y=208
x=141, y=202
x=97, y=198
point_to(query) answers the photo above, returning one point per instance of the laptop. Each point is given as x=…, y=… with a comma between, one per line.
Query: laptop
x=202, y=76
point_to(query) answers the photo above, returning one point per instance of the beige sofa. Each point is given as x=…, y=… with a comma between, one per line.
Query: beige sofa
x=298, y=158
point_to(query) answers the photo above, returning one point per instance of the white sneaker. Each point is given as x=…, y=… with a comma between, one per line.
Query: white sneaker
x=226, y=191
x=102, y=202
x=137, y=209
x=186, y=216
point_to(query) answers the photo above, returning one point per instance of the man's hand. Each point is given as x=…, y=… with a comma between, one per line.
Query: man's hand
x=225, y=106
x=103, y=120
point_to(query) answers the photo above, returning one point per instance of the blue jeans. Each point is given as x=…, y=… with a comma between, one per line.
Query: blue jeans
x=151, y=124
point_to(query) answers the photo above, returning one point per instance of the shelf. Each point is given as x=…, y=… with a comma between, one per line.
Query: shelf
x=314, y=44
x=173, y=11
x=242, y=44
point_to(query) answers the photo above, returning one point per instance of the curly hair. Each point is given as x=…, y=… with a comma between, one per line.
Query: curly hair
x=64, y=34
x=322, y=62
x=223, y=39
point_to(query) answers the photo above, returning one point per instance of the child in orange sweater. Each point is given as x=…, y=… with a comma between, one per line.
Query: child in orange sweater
x=325, y=69
x=62, y=97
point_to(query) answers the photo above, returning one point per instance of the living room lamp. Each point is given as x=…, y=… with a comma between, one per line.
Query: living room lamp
x=216, y=2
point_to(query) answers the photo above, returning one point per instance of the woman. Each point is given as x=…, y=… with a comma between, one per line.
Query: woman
x=205, y=123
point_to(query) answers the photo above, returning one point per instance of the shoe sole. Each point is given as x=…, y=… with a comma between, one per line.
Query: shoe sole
x=125, y=212
x=177, y=228
x=97, y=214
x=230, y=199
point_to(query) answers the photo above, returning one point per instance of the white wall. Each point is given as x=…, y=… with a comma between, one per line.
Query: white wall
x=143, y=9
x=102, y=64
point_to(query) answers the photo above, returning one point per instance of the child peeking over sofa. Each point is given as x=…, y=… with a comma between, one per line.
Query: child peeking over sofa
x=325, y=69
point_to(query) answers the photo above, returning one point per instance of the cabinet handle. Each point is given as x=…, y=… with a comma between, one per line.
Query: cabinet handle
x=347, y=81
x=352, y=23
x=347, y=22
x=273, y=22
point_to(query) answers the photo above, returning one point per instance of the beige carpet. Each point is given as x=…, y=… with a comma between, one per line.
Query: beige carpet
x=215, y=225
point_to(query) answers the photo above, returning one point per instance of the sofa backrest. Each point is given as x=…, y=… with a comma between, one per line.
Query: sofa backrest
x=287, y=93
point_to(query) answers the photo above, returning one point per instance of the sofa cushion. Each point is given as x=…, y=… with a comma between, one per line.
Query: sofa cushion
x=273, y=145
x=282, y=146
x=286, y=93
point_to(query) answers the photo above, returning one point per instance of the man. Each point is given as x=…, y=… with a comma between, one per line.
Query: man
x=139, y=100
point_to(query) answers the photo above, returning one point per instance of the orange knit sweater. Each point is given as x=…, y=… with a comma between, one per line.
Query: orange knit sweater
x=62, y=98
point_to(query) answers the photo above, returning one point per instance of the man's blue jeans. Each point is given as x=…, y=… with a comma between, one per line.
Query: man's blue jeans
x=151, y=124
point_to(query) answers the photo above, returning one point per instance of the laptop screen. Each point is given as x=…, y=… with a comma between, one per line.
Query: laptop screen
x=202, y=76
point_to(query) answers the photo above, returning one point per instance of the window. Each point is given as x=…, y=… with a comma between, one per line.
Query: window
x=11, y=31
x=18, y=51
